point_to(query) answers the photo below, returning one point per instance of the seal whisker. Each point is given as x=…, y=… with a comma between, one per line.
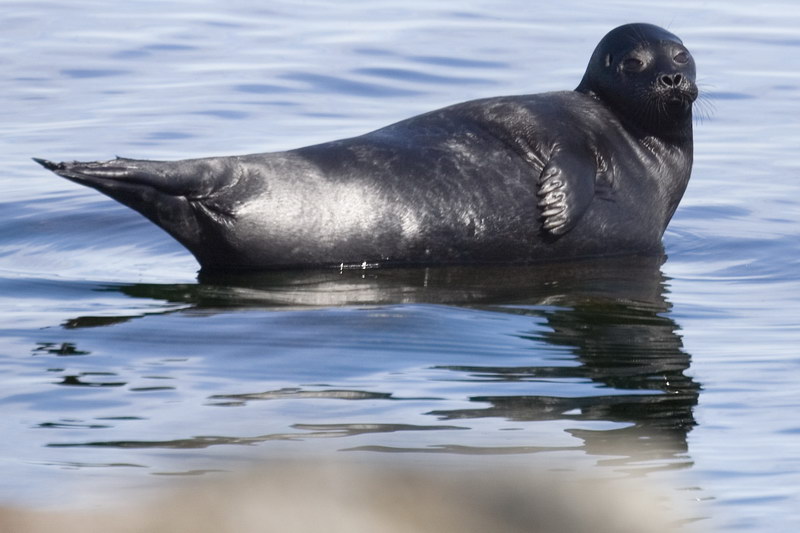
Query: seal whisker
x=704, y=104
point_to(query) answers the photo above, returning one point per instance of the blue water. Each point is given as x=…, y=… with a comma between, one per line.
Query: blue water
x=120, y=365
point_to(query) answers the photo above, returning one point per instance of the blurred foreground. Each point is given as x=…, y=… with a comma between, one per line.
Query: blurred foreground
x=354, y=498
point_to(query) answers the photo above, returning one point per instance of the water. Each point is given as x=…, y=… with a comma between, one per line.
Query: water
x=120, y=366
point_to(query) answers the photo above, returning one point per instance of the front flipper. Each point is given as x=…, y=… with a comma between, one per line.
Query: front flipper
x=566, y=188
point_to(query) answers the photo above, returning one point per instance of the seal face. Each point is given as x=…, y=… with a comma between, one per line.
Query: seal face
x=646, y=75
x=592, y=172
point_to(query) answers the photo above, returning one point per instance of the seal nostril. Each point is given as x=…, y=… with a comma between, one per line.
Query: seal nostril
x=671, y=80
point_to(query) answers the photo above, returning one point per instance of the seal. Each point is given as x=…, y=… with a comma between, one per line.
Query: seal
x=596, y=171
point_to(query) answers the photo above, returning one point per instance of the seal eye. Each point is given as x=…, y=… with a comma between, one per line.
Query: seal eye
x=681, y=58
x=632, y=64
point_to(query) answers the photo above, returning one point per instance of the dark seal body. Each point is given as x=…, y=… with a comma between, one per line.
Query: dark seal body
x=499, y=180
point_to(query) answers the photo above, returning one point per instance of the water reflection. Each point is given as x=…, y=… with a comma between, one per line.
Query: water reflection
x=619, y=359
x=295, y=393
x=627, y=347
x=586, y=285
x=304, y=431
x=62, y=349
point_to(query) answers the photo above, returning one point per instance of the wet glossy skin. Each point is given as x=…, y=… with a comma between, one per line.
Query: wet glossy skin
x=595, y=171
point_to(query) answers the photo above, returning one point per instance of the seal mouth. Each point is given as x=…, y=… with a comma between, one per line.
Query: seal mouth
x=681, y=101
x=675, y=90
x=679, y=98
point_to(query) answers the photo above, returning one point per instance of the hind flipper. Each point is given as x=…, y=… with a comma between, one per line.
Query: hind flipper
x=194, y=179
x=182, y=197
x=116, y=168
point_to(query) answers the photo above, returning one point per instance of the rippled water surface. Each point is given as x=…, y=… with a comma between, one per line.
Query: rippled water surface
x=119, y=365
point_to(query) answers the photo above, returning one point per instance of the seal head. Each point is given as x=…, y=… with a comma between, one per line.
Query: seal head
x=646, y=76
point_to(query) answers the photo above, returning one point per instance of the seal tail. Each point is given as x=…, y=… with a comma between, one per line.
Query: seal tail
x=179, y=178
x=87, y=172
x=49, y=165
x=169, y=194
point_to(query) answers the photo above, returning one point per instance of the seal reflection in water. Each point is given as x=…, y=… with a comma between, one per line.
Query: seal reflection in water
x=591, y=172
